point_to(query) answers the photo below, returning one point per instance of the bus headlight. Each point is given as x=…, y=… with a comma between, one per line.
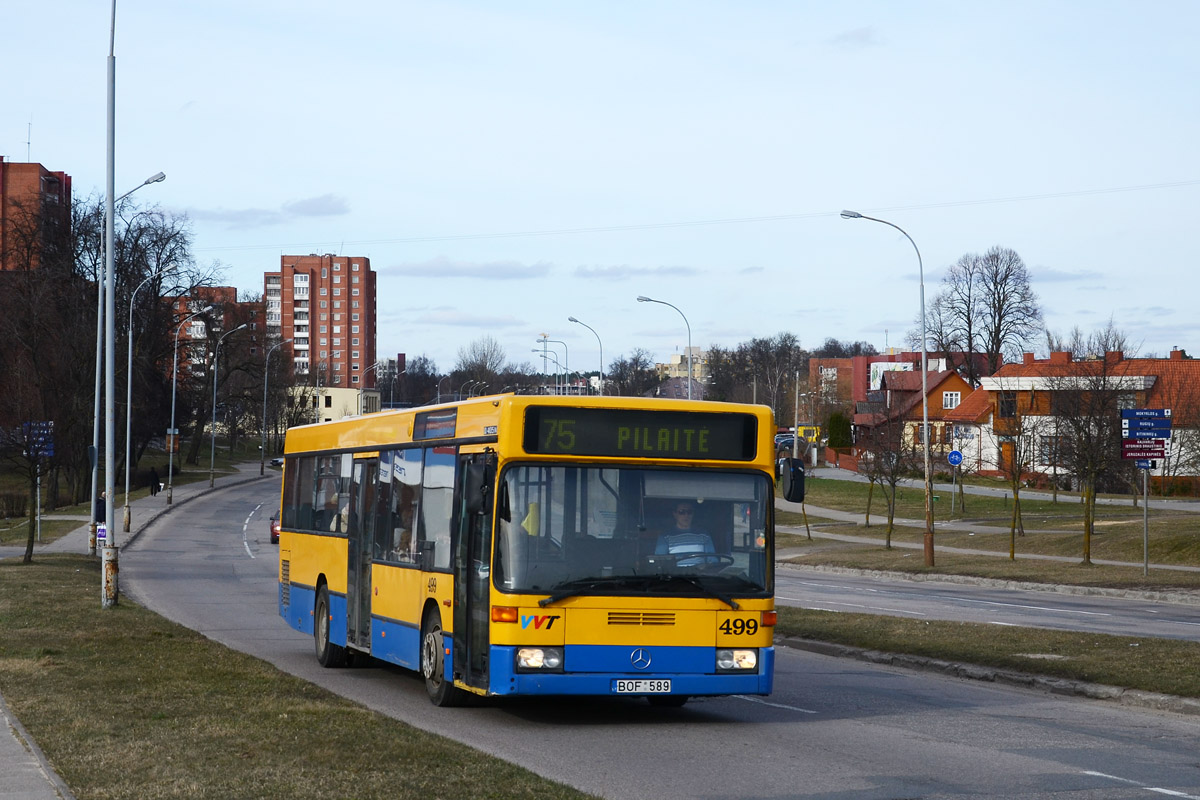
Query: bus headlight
x=737, y=660
x=542, y=659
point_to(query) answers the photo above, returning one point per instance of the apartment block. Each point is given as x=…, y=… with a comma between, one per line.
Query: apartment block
x=35, y=206
x=326, y=305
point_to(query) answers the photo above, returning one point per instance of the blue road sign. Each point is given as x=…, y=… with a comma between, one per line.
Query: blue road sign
x=1144, y=424
x=1145, y=463
x=1151, y=434
x=954, y=457
x=1145, y=413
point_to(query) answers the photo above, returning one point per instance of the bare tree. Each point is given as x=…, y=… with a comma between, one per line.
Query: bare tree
x=632, y=376
x=885, y=460
x=986, y=305
x=773, y=361
x=1015, y=429
x=483, y=356
x=1087, y=400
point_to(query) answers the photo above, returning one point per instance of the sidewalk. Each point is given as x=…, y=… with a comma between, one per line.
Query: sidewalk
x=25, y=774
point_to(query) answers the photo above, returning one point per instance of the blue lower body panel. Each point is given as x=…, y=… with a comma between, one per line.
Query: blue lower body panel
x=593, y=670
x=397, y=642
x=298, y=612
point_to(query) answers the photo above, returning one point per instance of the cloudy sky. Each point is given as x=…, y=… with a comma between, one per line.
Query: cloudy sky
x=508, y=165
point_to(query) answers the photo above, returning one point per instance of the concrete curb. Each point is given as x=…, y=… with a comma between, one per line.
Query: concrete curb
x=1133, y=698
x=33, y=760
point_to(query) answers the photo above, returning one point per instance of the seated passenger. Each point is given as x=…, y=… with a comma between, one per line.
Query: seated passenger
x=683, y=537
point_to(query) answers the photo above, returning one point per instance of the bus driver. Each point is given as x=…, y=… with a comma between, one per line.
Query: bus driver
x=684, y=537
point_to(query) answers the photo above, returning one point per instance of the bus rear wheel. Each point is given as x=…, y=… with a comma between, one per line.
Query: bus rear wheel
x=433, y=664
x=328, y=653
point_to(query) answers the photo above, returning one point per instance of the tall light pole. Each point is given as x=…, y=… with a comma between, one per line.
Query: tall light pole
x=924, y=387
x=599, y=343
x=262, y=450
x=644, y=299
x=173, y=435
x=362, y=380
x=566, y=360
x=101, y=282
x=392, y=388
x=439, y=388
x=212, y=458
x=127, y=516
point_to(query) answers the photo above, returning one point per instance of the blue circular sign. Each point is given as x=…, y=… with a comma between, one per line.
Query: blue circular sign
x=954, y=457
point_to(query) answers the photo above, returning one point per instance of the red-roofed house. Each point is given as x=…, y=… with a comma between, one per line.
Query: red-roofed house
x=899, y=398
x=1025, y=399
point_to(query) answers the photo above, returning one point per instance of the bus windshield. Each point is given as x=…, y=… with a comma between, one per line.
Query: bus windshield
x=576, y=530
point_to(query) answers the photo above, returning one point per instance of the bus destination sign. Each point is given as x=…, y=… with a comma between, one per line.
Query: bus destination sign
x=636, y=433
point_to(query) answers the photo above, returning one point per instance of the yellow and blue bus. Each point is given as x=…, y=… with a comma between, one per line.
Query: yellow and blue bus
x=521, y=545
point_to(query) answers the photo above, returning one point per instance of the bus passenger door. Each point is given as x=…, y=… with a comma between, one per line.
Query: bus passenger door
x=472, y=568
x=359, y=534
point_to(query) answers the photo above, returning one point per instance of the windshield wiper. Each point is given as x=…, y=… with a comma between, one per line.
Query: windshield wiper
x=704, y=589
x=580, y=588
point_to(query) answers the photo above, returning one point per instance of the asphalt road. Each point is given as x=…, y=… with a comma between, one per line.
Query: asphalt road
x=832, y=729
x=827, y=591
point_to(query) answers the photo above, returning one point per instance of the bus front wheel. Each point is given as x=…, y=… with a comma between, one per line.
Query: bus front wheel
x=433, y=664
x=328, y=653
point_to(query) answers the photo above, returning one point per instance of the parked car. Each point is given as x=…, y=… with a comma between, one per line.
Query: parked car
x=276, y=462
x=275, y=528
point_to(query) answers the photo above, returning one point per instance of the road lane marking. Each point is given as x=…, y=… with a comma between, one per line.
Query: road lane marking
x=774, y=705
x=859, y=605
x=1155, y=789
x=245, y=527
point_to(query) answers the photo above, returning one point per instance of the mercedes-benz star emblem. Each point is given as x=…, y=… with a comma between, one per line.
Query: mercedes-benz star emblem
x=640, y=658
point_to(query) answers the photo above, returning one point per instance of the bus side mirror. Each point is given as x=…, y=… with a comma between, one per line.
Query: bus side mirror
x=792, y=470
x=425, y=550
x=477, y=485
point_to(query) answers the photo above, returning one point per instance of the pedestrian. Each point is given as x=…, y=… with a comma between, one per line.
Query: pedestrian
x=153, y=482
x=101, y=516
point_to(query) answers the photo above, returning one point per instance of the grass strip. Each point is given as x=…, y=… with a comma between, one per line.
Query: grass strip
x=1154, y=665
x=127, y=704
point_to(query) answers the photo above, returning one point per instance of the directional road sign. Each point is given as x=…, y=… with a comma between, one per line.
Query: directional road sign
x=1147, y=424
x=1143, y=448
x=1145, y=463
x=1151, y=434
x=1145, y=413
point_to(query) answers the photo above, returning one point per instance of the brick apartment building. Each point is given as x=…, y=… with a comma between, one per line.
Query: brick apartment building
x=34, y=204
x=326, y=305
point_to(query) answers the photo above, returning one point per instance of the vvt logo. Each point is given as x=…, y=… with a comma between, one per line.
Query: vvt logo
x=538, y=621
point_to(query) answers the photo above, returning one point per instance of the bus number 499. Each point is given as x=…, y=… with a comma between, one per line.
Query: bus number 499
x=739, y=626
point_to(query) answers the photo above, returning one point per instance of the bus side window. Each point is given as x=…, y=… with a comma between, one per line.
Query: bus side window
x=437, y=504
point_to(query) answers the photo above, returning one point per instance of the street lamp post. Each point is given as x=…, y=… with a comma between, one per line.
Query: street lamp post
x=439, y=388
x=212, y=457
x=599, y=343
x=566, y=366
x=644, y=299
x=100, y=305
x=361, y=380
x=392, y=388
x=128, y=514
x=173, y=435
x=924, y=387
x=262, y=450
